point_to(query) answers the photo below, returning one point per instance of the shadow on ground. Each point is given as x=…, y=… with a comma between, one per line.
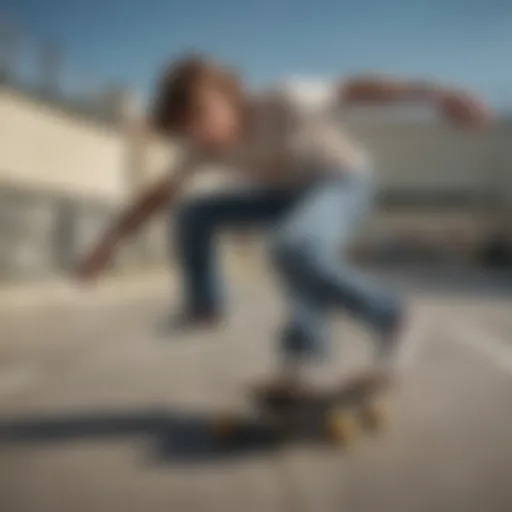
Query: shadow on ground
x=175, y=437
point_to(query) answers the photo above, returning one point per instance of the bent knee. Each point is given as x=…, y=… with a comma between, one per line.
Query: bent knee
x=292, y=251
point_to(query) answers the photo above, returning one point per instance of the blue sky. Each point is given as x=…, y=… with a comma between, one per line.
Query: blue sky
x=459, y=41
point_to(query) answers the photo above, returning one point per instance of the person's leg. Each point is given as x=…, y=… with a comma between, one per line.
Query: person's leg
x=198, y=221
x=307, y=249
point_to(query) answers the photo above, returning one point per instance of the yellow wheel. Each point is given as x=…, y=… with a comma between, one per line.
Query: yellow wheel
x=226, y=426
x=374, y=414
x=342, y=427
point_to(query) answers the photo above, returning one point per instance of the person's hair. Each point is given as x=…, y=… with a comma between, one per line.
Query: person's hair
x=177, y=91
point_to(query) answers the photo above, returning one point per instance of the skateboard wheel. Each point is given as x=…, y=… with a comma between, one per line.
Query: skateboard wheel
x=374, y=415
x=225, y=426
x=341, y=427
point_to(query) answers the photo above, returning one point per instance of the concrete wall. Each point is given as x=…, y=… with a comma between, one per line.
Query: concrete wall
x=430, y=155
x=62, y=176
x=46, y=148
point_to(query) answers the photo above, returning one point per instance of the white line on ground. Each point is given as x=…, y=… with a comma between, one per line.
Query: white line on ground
x=488, y=345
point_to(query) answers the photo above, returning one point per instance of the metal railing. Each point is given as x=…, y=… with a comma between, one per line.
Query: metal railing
x=44, y=234
x=37, y=68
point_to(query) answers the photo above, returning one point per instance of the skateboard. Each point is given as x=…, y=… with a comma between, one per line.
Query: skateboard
x=335, y=415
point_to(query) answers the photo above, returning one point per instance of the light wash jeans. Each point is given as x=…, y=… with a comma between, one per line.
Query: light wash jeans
x=308, y=228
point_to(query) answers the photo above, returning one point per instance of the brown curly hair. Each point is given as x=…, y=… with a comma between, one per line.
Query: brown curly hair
x=177, y=91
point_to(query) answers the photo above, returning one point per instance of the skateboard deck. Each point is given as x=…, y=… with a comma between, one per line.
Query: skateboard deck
x=334, y=415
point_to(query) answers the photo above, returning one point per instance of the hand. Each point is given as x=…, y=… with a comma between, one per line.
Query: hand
x=464, y=109
x=89, y=269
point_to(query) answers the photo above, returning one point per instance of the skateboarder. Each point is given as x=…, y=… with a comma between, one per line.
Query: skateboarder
x=307, y=183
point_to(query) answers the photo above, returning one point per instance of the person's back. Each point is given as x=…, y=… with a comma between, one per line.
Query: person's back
x=295, y=133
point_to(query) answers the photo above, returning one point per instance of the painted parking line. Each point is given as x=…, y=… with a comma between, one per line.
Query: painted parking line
x=496, y=349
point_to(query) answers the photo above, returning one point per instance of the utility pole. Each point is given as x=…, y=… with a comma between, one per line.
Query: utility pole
x=9, y=46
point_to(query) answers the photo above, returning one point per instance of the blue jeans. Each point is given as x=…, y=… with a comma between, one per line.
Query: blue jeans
x=308, y=228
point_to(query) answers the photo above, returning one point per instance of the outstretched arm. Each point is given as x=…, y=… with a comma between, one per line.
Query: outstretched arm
x=457, y=105
x=147, y=204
